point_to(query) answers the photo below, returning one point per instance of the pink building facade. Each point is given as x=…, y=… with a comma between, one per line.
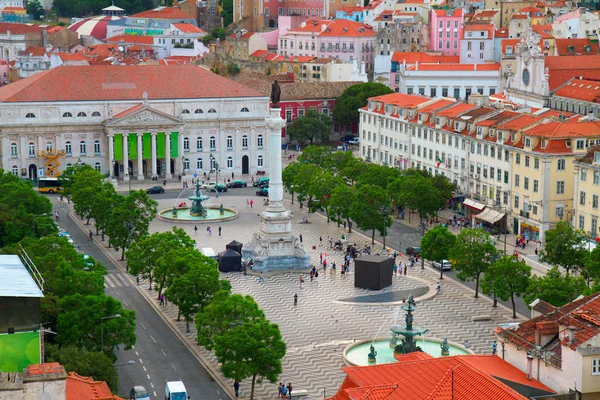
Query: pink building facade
x=446, y=28
x=343, y=39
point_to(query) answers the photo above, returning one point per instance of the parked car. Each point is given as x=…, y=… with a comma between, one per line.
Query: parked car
x=155, y=189
x=218, y=188
x=410, y=251
x=237, y=184
x=259, y=181
x=263, y=192
x=264, y=184
x=139, y=393
x=445, y=263
x=346, y=138
x=209, y=185
x=353, y=141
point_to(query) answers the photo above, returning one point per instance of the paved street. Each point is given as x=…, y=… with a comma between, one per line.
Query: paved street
x=158, y=354
x=318, y=329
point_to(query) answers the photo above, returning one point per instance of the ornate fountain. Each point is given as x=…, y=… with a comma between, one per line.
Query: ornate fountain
x=197, y=210
x=408, y=332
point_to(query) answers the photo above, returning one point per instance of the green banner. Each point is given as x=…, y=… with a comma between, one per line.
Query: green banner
x=174, y=146
x=132, y=146
x=18, y=350
x=160, y=145
x=118, y=147
x=147, y=145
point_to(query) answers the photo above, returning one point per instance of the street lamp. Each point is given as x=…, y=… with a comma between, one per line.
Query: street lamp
x=130, y=362
x=214, y=166
x=102, y=327
x=183, y=165
x=111, y=172
x=385, y=210
x=423, y=228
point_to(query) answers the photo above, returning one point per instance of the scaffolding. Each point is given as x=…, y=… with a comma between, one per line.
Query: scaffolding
x=52, y=163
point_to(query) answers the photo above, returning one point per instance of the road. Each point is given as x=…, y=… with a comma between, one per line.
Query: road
x=159, y=355
x=398, y=236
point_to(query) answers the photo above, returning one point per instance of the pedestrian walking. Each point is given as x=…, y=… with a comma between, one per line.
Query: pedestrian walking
x=283, y=392
x=219, y=230
x=208, y=230
x=296, y=299
x=195, y=229
x=321, y=258
x=405, y=269
x=466, y=344
x=494, y=347
x=165, y=182
x=279, y=390
x=344, y=224
x=60, y=198
x=289, y=388
x=251, y=203
x=56, y=216
x=395, y=269
x=437, y=286
x=300, y=237
x=316, y=276
x=162, y=299
x=301, y=281
x=91, y=235
x=324, y=265
x=321, y=241
x=137, y=279
x=260, y=278
x=236, y=387
x=312, y=274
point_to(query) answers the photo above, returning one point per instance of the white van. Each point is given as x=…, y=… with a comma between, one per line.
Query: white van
x=209, y=252
x=175, y=390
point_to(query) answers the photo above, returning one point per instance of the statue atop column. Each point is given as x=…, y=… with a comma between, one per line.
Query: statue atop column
x=275, y=94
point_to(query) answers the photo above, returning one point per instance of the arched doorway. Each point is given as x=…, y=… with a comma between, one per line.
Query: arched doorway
x=116, y=169
x=33, y=172
x=271, y=23
x=158, y=167
x=144, y=168
x=245, y=165
x=130, y=168
x=172, y=166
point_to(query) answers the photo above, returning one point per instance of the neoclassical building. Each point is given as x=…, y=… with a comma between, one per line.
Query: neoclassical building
x=132, y=121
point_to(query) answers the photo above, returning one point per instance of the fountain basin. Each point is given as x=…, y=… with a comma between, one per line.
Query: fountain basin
x=356, y=353
x=213, y=214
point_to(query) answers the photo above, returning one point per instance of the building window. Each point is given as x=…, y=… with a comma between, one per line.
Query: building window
x=199, y=144
x=527, y=161
x=96, y=114
x=186, y=144
x=595, y=201
x=582, y=198
x=229, y=143
x=198, y=111
x=82, y=148
x=245, y=110
x=67, y=115
x=185, y=111
x=581, y=222
x=526, y=183
x=245, y=142
x=81, y=114
x=596, y=178
x=212, y=143
x=535, y=185
x=15, y=170
x=516, y=201
x=518, y=159
x=97, y=167
x=13, y=150
x=560, y=164
x=97, y=147
x=259, y=141
x=260, y=161
x=186, y=164
x=68, y=149
x=212, y=111
x=199, y=163
x=517, y=180
x=30, y=115
x=230, y=162
x=560, y=187
x=31, y=150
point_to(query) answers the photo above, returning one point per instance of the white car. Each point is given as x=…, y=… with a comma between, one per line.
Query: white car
x=445, y=263
x=354, y=141
x=209, y=185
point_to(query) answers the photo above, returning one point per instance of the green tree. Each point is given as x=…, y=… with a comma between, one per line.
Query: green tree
x=226, y=311
x=253, y=349
x=370, y=211
x=472, y=254
x=219, y=33
x=437, y=244
x=85, y=186
x=316, y=155
x=445, y=189
x=354, y=98
x=506, y=278
x=313, y=126
x=79, y=323
x=96, y=364
x=554, y=288
x=68, y=177
x=194, y=289
x=233, y=69
x=288, y=176
x=302, y=183
x=35, y=9
x=130, y=220
x=103, y=206
x=341, y=203
x=564, y=247
x=591, y=266
x=353, y=170
x=418, y=193
x=378, y=175
x=321, y=186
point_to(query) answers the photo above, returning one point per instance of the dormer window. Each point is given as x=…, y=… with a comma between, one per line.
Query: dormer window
x=512, y=137
x=491, y=132
x=437, y=120
x=420, y=116
x=449, y=123
x=597, y=157
x=543, y=144
x=479, y=130
x=580, y=144
x=456, y=126
x=500, y=135
x=568, y=143
x=527, y=142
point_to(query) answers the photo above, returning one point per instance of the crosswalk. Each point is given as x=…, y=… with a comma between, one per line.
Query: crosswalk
x=113, y=280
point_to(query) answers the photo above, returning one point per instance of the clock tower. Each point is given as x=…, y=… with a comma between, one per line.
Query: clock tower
x=528, y=83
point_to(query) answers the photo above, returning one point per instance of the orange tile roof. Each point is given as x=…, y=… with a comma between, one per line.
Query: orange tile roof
x=439, y=103
x=188, y=28
x=563, y=68
x=468, y=377
x=259, y=53
x=85, y=388
x=401, y=99
x=519, y=16
x=72, y=57
x=131, y=39
x=414, y=57
x=335, y=27
x=44, y=369
x=502, y=33
x=55, y=29
x=578, y=46
x=107, y=82
x=455, y=67
x=455, y=110
x=581, y=89
x=565, y=129
x=35, y=51
x=520, y=122
x=244, y=36
x=455, y=13
x=481, y=26
x=164, y=13
x=18, y=29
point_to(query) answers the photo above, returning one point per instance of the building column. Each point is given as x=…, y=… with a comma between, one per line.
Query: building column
x=179, y=162
x=154, y=155
x=140, y=158
x=126, y=176
x=168, y=172
x=111, y=156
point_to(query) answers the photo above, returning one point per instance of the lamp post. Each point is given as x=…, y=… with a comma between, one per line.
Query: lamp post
x=130, y=362
x=182, y=165
x=129, y=172
x=423, y=228
x=385, y=210
x=102, y=327
x=214, y=166
x=111, y=172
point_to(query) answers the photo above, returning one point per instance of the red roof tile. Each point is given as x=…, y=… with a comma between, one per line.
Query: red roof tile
x=335, y=27
x=131, y=39
x=85, y=388
x=107, y=82
x=414, y=57
x=563, y=68
x=164, y=13
x=581, y=89
x=244, y=36
x=565, y=129
x=571, y=47
x=35, y=51
x=455, y=110
x=19, y=29
x=401, y=100
x=259, y=53
x=188, y=28
x=439, y=103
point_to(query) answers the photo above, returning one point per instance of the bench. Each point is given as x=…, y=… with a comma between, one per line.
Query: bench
x=299, y=393
x=477, y=318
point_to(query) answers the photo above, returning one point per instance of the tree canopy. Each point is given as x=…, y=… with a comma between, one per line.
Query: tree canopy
x=437, y=244
x=354, y=98
x=564, y=247
x=373, y=210
x=313, y=126
x=555, y=288
x=507, y=278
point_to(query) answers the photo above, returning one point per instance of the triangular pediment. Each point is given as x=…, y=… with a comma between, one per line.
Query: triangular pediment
x=142, y=115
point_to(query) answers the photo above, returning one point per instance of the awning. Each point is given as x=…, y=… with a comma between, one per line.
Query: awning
x=473, y=204
x=490, y=215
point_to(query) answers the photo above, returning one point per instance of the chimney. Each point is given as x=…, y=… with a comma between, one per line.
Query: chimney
x=529, y=366
x=416, y=65
x=475, y=67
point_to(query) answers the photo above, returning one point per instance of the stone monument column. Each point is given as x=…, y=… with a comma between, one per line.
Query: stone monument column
x=274, y=124
x=111, y=156
x=154, y=157
x=140, y=158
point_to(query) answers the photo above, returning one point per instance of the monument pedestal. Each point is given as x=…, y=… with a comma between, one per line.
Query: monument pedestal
x=275, y=247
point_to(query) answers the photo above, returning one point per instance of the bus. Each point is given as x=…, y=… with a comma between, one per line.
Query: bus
x=49, y=185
